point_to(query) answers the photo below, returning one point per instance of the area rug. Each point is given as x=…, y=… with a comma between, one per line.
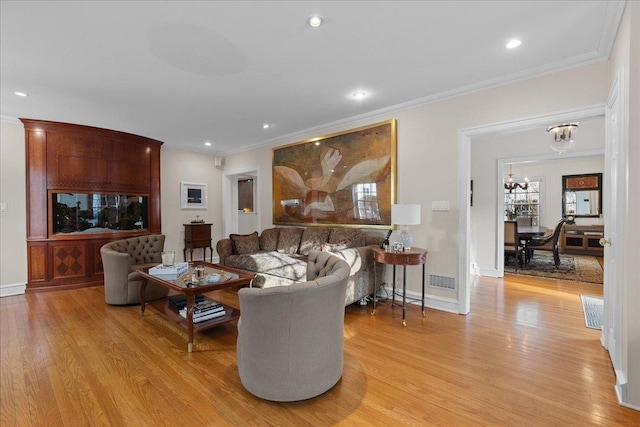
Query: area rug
x=577, y=268
x=593, y=308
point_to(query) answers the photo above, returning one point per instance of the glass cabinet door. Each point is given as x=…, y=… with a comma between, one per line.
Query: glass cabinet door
x=95, y=213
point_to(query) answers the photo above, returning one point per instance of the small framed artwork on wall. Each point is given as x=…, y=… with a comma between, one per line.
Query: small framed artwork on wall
x=193, y=195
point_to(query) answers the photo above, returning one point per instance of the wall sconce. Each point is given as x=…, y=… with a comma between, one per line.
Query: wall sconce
x=405, y=215
x=562, y=137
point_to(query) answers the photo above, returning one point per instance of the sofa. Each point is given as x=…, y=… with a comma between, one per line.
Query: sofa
x=278, y=256
x=121, y=260
x=291, y=338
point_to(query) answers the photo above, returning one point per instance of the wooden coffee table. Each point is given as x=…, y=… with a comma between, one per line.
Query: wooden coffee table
x=230, y=277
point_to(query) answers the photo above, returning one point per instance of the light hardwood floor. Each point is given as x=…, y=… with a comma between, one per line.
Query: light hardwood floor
x=522, y=357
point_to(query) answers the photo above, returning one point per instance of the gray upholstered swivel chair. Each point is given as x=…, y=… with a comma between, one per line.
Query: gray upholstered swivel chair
x=290, y=338
x=121, y=260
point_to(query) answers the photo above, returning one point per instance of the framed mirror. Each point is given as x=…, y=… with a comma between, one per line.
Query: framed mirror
x=582, y=195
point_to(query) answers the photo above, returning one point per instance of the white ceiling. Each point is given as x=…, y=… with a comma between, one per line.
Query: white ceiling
x=189, y=72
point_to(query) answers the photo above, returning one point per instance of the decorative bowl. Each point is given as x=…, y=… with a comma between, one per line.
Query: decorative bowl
x=212, y=278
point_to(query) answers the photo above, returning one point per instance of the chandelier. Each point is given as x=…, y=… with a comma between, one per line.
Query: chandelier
x=512, y=185
x=561, y=137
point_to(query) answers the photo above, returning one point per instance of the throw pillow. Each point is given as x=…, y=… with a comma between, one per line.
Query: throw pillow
x=245, y=243
x=269, y=239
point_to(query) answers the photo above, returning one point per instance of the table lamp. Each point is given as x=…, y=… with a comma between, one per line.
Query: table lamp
x=405, y=215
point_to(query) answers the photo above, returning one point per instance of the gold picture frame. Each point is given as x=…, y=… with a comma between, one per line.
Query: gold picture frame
x=345, y=179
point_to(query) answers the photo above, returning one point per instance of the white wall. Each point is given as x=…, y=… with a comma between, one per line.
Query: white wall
x=13, y=223
x=427, y=152
x=247, y=222
x=178, y=166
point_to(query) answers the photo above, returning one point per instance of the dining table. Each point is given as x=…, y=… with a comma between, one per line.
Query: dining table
x=525, y=234
x=531, y=231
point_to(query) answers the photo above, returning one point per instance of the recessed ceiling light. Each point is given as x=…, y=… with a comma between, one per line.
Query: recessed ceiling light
x=359, y=94
x=22, y=94
x=315, y=21
x=266, y=126
x=513, y=43
x=208, y=144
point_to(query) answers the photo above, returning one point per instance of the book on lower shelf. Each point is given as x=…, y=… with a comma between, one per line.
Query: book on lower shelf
x=205, y=315
x=180, y=301
x=205, y=310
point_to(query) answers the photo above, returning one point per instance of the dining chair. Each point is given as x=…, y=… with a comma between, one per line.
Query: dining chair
x=524, y=221
x=547, y=243
x=512, y=244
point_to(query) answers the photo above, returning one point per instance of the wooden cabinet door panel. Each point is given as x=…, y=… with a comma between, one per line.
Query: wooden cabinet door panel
x=36, y=261
x=68, y=260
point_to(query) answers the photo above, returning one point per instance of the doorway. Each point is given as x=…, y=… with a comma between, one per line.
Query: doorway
x=466, y=137
x=241, y=201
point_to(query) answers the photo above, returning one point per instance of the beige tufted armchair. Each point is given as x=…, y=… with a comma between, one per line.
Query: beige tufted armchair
x=291, y=338
x=122, y=259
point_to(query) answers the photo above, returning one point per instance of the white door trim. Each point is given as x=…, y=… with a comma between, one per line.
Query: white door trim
x=230, y=203
x=615, y=188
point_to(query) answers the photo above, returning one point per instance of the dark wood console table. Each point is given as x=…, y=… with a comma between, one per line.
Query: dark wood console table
x=197, y=235
x=414, y=256
x=582, y=239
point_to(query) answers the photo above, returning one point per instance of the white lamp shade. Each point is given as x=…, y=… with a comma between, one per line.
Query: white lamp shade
x=405, y=214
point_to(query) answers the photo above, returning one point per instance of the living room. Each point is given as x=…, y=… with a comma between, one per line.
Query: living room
x=431, y=168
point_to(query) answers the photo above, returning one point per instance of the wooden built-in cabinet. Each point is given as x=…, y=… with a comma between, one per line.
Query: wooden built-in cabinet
x=582, y=239
x=67, y=158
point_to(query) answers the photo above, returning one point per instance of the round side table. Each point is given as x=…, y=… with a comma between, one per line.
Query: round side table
x=413, y=256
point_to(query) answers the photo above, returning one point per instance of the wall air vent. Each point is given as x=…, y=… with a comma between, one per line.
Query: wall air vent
x=442, y=282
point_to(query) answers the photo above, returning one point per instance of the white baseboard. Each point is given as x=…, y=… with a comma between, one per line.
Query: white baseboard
x=621, y=390
x=490, y=272
x=435, y=302
x=12, y=289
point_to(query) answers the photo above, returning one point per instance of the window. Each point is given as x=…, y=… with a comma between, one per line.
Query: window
x=365, y=198
x=524, y=202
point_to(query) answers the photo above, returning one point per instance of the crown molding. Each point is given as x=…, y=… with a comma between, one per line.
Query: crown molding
x=548, y=69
